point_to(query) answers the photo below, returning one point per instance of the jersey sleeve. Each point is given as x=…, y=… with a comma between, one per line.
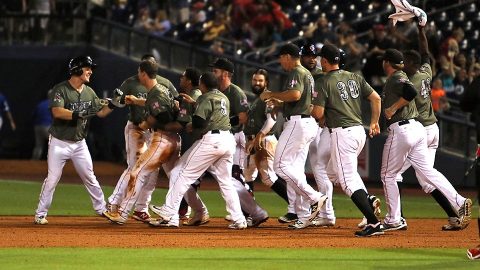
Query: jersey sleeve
x=172, y=89
x=239, y=103
x=157, y=104
x=365, y=87
x=319, y=94
x=427, y=69
x=204, y=108
x=56, y=98
x=294, y=82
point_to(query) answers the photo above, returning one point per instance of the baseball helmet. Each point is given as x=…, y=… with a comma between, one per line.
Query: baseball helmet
x=343, y=58
x=309, y=49
x=76, y=64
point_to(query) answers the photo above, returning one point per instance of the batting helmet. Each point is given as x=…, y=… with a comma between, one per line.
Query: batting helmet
x=309, y=49
x=76, y=64
x=343, y=58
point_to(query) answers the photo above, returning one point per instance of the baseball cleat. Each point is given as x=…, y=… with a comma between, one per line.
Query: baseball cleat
x=160, y=212
x=141, y=216
x=465, y=213
x=454, y=224
x=370, y=230
x=228, y=217
x=315, y=208
x=162, y=223
x=41, y=220
x=474, y=253
x=288, y=218
x=255, y=222
x=401, y=226
x=323, y=222
x=362, y=223
x=184, y=213
x=115, y=217
x=197, y=220
x=240, y=225
x=300, y=224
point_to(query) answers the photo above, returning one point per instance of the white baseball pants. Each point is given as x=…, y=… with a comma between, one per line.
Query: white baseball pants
x=58, y=153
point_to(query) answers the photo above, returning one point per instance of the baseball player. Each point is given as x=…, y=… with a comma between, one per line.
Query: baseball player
x=261, y=142
x=299, y=131
x=407, y=140
x=164, y=146
x=190, y=92
x=223, y=70
x=419, y=72
x=5, y=109
x=212, y=152
x=72, y=103
x=319, y=151
x=338, y=104
x=136, y=141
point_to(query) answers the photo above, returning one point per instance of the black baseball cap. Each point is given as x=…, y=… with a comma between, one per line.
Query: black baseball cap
x=290, y=49
x=331, y=53
x=223, y=63
x=393, y=56
x=308, y=50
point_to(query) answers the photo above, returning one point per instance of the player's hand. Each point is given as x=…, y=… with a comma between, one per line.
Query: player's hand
x=266, y=95
x=389, y=112
x=273, y=102
x=143, y=125
x=130, y=99
x=374, y=129
x=187, y=98
x=249, y=147
x=259, y=143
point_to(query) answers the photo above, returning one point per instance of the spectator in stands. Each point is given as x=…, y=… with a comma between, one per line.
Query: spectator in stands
x=449, y=47
x=179, y=11
x=40, y=25
x=161, y=23
x=144, y=22
x=373, y=70
x=15, y=27
x=214, y=28
x=120, y=12
x=320, y=32
x=194, y=28
x=42, y=119
x=354, y=50
x=439, y=97
x=447, y=73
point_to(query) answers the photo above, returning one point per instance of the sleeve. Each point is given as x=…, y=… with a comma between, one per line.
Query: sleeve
x=56, y=98
x=172, y=89
x=125, y=87
x=157, y=105
x=204, y=108
x=294, y=82
x=319, y=95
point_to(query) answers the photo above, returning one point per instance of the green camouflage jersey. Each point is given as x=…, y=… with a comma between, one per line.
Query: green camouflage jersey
x=159, y=100
x=421, y=81
x=132, y=86
x=392, y=91
x=257, y=117
x=317, y=72
x=238, y=103
x=299, y=79
x=65, y=96
x=214, y=107
x=340, y=92
x=187, y=109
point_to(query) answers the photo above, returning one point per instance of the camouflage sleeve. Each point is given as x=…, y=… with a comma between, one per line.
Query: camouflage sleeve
x=204, y=108
x=56, y=98
x=294, y=82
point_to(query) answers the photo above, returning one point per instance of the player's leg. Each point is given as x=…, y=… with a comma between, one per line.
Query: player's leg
x=200, y=211
x=292, y=150
x=256, y=214
x=82, y=161
x=135, y=145
x=58, y=154
x=239, y=156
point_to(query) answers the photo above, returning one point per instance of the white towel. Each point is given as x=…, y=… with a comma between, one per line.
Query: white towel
x=405, y=11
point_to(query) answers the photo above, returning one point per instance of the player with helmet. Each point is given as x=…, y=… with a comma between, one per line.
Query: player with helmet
x=72, y=104
x=338, y=106
x=319, y=151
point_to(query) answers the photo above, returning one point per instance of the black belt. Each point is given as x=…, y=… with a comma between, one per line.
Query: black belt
x=301, y=115
x=404, y=122
x=250, y=137
x=217, y=131
x=331, y=130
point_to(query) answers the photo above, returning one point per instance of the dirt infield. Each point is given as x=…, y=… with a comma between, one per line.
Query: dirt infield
x=98, y=232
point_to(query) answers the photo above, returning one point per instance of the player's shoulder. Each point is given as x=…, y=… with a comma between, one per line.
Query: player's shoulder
x=426, y=68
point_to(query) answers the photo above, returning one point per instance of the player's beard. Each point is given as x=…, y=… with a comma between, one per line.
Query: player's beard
x=257, y=90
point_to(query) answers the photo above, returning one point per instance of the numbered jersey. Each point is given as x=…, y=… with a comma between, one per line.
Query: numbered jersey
x=214, y=107
x=340, y=92
x=299, y=79
x=421, y=81
x=63, y=95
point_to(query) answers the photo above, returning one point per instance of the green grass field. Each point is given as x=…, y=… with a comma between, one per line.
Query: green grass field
x=21, y=198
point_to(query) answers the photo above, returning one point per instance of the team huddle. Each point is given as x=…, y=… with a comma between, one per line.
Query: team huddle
x=211, y=127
